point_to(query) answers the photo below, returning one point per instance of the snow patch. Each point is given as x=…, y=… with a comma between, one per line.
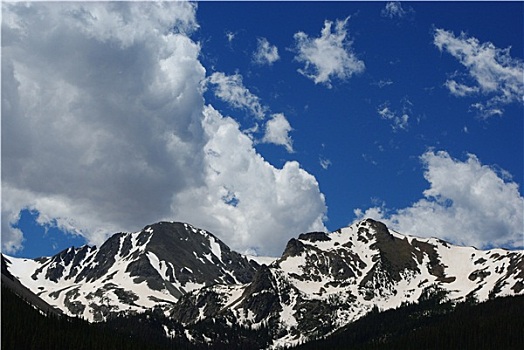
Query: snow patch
x=215, y=248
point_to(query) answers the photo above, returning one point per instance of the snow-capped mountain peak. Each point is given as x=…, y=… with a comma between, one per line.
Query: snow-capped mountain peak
x=133, y=271
x=322, y=281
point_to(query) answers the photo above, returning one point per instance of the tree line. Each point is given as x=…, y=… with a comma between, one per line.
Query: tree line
x=433, y=324
x=430, y=324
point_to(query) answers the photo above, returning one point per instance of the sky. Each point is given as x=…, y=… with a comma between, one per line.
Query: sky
x=259, y=121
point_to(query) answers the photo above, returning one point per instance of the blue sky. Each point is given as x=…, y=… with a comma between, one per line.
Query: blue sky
x=259, y=121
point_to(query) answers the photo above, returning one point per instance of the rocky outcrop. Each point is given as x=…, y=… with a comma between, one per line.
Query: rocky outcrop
x=322, y=282
x=325, y=281
x=132, y=272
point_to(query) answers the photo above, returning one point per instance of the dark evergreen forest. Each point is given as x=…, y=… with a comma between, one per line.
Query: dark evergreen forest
x=431, y=324
x=24, y=327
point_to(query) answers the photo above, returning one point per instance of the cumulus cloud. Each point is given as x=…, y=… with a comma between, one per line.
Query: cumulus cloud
x=277, y=132
x=269, y=203
x=491, y=72
x=87, y=140
x=328, y=56
x=265, y=53
x=467, y=203
x=105, y=129
x=231, y=89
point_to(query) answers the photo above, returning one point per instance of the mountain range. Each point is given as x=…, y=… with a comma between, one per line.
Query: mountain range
x=321, y=283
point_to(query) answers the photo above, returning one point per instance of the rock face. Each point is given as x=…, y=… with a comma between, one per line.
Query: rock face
x=133, y=271
x=322, y=282
x=325, y=281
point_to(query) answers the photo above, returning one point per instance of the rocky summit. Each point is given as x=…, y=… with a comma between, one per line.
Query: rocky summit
x=321, y=283
x=133, y=272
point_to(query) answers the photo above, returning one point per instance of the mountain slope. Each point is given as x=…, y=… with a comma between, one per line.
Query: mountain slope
x=24, y=327
x=493, y=324
x=14, y=285
x=132, y=272
x=325, y=281
x=321, y=283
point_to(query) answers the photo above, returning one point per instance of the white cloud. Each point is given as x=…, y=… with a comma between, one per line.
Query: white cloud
x=399, y=120
x=466, y=203
x=460, y=90
x=105, y=129
x=271, y=205
x=329, y=55
x=487, y=111
x=368, y=158
x=231, y=89
x=277, y=132
x=383, y=83
x=230, y=36
x=87, y=140
x=266, y=53
x=324, y=163
x=492, y=71
x=394, y=9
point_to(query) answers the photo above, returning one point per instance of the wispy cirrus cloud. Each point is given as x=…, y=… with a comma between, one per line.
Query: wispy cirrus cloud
x=394, y=9
x=491, y=72
x=383, y=83
x=230, y=36
x=460, y=90
x=399, y=118
x=324, y=163
x=329, y=56
x=265, y=53
x=466, y=203
x=231, y=89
